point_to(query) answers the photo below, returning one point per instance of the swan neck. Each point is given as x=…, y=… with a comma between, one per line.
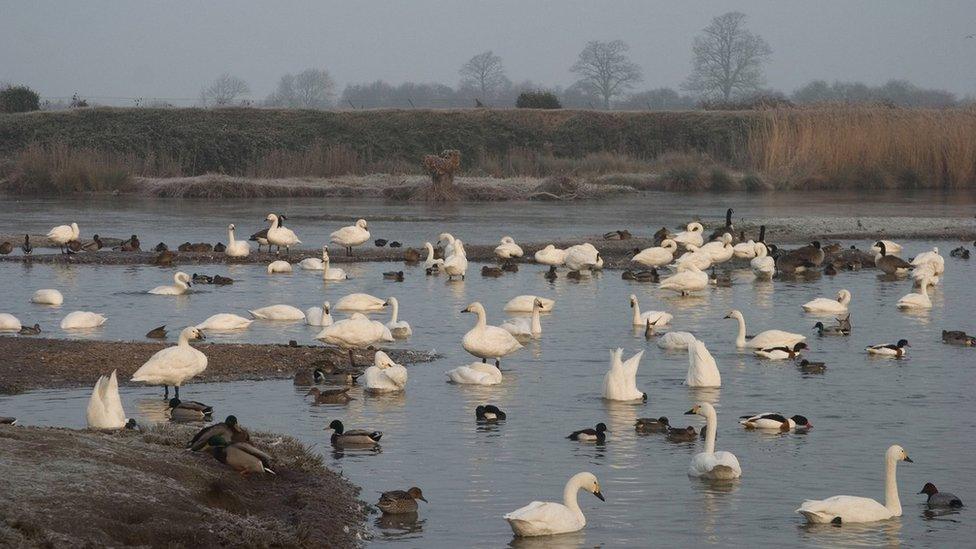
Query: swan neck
x=740, y=340
x=536, y=323
x=569, y=496
x=892, y=502
x=482, y=318
x=711, y=421
x=396, y=310
x=637, y=319
x=230, y=236
x=184, y=340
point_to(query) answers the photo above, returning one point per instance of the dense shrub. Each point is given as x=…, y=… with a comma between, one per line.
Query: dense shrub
x=537, y=100
x=19, y=99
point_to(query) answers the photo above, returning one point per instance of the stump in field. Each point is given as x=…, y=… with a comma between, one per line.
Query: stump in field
x=441, y=170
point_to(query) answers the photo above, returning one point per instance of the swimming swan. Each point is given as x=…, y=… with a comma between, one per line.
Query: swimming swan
x=544, y=518
x=399, y=328
x=657, y=256
x=105, y=405
x=319, y=316
x=236, y=248
x=9, y=323
x=655, y=318
x=620, y=382
x=47, y=297
x=484, y=341
x=280, y=236
x=279, y=266
x=687, y=281
x=853, y=509
x=769, y=338
x=676, y=341
x=507, y=248
x=526, y=327
x=830, y=306
x=711, y=464
x=79, y=320
x=360, y=303
x=181, y=283
x=525, y=304
x=702, y=370
x=174, y=365
x=918, y=300
x=763, y=266
x=223, y=322
x=385, y=376
x=278, y=312
x=351, y=235
x=328, y=272
x=476, y=373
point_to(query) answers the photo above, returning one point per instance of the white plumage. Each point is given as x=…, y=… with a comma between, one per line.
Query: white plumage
x=9, y=323
x=551, y=255
x=711, y=464
x=690, y=280
x=525, y=304
x=692, y=235
x=484, y=341
x=236, y=248
x=360, y=303
x=319, y=316
x=544, y=518
x=768, y=338
x=181, y=283
x=278, y=312
x=351, y=235
x=620, y=382
x=658, y=255
x=675, y=341
x=385, y=376
x=225, y=322
x=507, y=248
x=279, y=266
x=105, y=405
x=399, y=328
x=829, y=306
x=280, y=236
x=763, y=266
x=456, y=264
x=702, y=370
x=47, y=297
x=476, y=373
x=655, y=318
x=79, y=320
x=355, y=332
x=174, y=365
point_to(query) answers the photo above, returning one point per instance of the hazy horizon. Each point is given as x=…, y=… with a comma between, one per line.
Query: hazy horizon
x=102, y=49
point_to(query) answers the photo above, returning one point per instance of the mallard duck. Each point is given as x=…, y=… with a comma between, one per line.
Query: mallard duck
x=830, y=269
x=94, y=245
x=380, y=242
x=489, y=412
x=651, y=425
x=492, y=272
x=202, y=279
x=6, y=247
x=808, y=367
x=896, y=350
x=958, y=337
x=597, y=434
x=165, y=258
x=30, y=330
x=510, y=266
x=960, y=252
x=161, y=247
x=394, y=275
x=838, y=330
x=157, y=333
x=228, y=429
x=242, y=457
x=356, y=437
x=411, y=255
x=306, y=377
x=330, y=395
x=682, y=434
x=398, y=501
x=396, y=244
x=220, y=248
x=939, y=499
x=188, y=410
x=222, y=280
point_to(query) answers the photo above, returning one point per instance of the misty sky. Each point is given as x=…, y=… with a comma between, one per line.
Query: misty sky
x=168, y=49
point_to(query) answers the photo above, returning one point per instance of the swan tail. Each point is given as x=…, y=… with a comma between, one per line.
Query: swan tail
x=724, y=472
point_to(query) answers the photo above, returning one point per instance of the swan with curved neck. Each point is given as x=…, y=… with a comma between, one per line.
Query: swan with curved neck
x=763, y=266
x=174, y=365
x=181, y=283
x=762, y=340
x=399, y=328
x=827, y=305
x=279, y=235
x=430, y=261
x=702, y=370
x=236, y=248
x=328, y=273
x=655, y=318
x=711, y=464
x=544, y=518
x=658, y=255
x=484, y=341
x=527, y=327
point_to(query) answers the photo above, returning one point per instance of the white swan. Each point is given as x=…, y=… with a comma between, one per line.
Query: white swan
x=930, y=258
x=484, y=341
x=720, y=250
x=701, y=260
x=279, y=266
x=280, y=236
x=551, y=255
x=476, y=373
x=319, y=316
x=891, y=247
x=684, y=282
x=399, y=328
x=711, y=464
x=278, y=312
x=918, y=300
x=62, y=234
x=620, y=382
x=174, y=365
x=525, y=303
x=385, y=376
x=763, y=266
x=236, y=248
x=692, y=235
x=457, y=263
x=430, y=262
x=355, y=332
x=675, y=341
x=745, y=250
x=657, y=256
x=447, y=241
x=47, y=297
x=769, y=338
x=507, y=248
x=79, y=320
x=360, y=303
x=927, y=270
x=313, y=263
x=9, y=323
x=224, y=322
x=831, y=306
x=853, y=509
x=702, y=370
x=524, y=328
x=328, y=272
x=351, y=235
x=583, y=257
x=655, y=318
x=545, y=518
x=181, y=283
x=105, y=405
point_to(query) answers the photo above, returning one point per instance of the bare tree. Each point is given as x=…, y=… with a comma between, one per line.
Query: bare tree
x=605, y=70
x=224, y=91
x=728, y=59
x=485, y=73
x=309, y=89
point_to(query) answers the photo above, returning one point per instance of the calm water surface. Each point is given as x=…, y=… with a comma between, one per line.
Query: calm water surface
x=474, y=474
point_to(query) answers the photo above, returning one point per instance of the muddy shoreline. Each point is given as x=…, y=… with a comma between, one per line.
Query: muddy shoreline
x=46, y=363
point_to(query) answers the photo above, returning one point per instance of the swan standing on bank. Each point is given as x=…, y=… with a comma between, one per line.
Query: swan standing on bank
x=351, y=235
x=236, y=248
x=278, y=312
x=692, y=235
x=80, y=320
x=711, y=464
x=654, y=318
x=174, y=365
x=181, y=283
x=105, y=405
x=545, y=518
x=47, y=297
x=224, y=322
x=829, y=306
x=762, y=340
x=525, y=303
x=526, y=328
x=476, y=373
x=360, y=303
x=280, y=236
x=400, y=329
x=620, y=382
x=687, y=281
x=319, y=316
x=507, y=248
x=63, y=234
x=657, y=256
x=853, y=509
x=763, y=266
x=457, y=263
x=385, y=376
x=484, y=341
x=918, y=300
x=702, y=370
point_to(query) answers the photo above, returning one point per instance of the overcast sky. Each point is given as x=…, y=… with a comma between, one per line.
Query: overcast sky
x=168, y=49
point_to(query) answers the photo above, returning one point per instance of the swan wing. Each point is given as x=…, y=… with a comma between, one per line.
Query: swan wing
x=715, y=465
x=702, y=370
x=631, y=364
x=398, y=375
x=775, y=338
x=848, y=508
x=171, y=365
x=544, y=517
x=675, y=340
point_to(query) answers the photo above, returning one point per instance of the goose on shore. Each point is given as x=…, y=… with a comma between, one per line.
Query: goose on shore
x=278, y=312
x=545, y=518
x=174, y=365
x=6, y=247
x=768, y=338
x=485, y=341
x=80, y=320
x=657, y=256
x=181, y=283
x=351, y=236
x=710, y=464
x=278, y=235
x=896, y=350
x=620, y=382
x=63, y=234
x=854, y=509
x=507, y=248
x=829, y=306
x=105, y=405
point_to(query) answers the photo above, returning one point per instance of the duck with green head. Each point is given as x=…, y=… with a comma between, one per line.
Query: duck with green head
x=240, y=456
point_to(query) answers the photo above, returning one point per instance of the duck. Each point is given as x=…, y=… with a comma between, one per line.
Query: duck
x=526, y=328
x=278, y=312
x=105, y=405
x=618, y=235
x=380, y=242
x=330, y=273
x=261, y=237
x=395, y=244
x=489, y=412
x=181, y=283
x=356, y=437
x=8, y=420
x=456, y=264
x=781, y=352
x=682, y=434
x=220, y=248
x=551, y=256
x=687, y=281
x=485, y=341
x=890, y=246
x=26, y=246
x=476, y=373
x=896, y=350
x=279, y=266
x=242, y=457
x=596, y=434
x=808, y=367
x=188, y=410
x=229, y=430
x=726, y=229
x=960, y=252
x=9, y=323
x=279, y=235
x=157, y=333
x=223, y=322
x=544, y=518
x=329, y=395
x=890, y=264
x=958, y=337
x=385, y=376
x=762, y=340
x=222, y=280
x=838, y=330
x=620, y=382
x=702, y=370
x=399, y=502
x=932, y=258
x=642, y=276
x=355, y=332
x=351, y=236
x=62, y=234
x=691, y=235
x=30, y=330
x=94, y=245
x=132, y=244
x=507, y=248
x=47, y=297
x=652, y=425
x=775, y=422
x=747, y=248
x=919, y=300
x=360, y=303
x=202, y=279
x=164, y=258
x=161, y=247
x=720, y=280
x=200, y=247
x=319, y=316
x=710, y=464
x=830, y=270
x=397, y=275
x=831, y=306
x=6, y=247
x=763, y=266
x=412, y=255
x=431, y=260
x=719, y=251
x=675, y=341
x=853, y=509
x=80, y=320
x=656, y=256
x=491, y=272
x=526, y=303
x=174, y=365
x=939, y=499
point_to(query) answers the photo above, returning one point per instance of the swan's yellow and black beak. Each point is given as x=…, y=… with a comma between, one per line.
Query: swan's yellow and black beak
x=690, y=412
x=909, y=460
x=599, y=494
